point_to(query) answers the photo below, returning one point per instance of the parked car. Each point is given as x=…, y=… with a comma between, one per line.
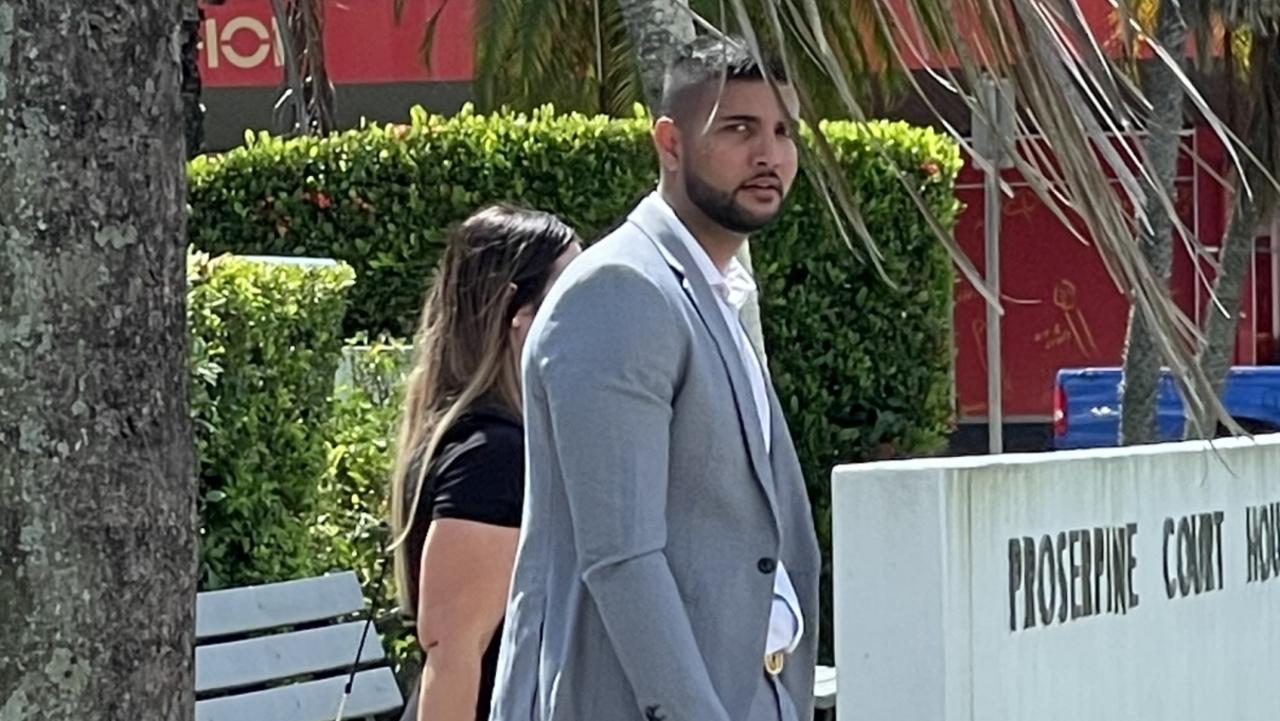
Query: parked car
x=1086, y=405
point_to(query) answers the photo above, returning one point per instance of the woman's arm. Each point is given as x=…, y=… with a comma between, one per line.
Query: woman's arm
x=462, y=591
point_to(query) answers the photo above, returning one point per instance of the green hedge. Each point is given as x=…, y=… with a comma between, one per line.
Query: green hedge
x=265, y=340
x=863, y=368
x=381, y=198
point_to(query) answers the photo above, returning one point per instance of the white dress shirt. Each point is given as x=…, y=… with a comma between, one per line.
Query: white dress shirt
x=732, y=289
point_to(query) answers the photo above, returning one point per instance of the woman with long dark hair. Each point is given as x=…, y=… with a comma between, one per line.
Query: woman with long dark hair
x=458, y=483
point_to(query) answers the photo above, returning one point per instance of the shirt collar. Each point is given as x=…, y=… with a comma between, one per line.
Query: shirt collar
x=734, y=286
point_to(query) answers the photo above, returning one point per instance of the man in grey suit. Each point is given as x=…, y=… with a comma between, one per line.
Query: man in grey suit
x=667, y=565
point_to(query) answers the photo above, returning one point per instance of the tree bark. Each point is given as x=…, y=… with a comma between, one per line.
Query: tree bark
x=1218, y=337
x=1142, y=359
x=97, y=521
x=657, y=28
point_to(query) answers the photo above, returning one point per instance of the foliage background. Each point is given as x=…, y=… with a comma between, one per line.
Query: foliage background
x=265, y=340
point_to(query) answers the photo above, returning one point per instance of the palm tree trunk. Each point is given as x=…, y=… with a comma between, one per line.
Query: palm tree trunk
x=291, y=113
x=306, y=103
x=657, y=28
x=97, y=491
x=1218, y=338
x=1259, y=99
x=1142, y=364
x=320, y=95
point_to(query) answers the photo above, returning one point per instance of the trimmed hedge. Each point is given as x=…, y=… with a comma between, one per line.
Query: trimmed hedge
x=265, y=340
x=863, y=369
x=381, y=198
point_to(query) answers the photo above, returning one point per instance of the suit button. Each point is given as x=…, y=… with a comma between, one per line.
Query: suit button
x=767, y=565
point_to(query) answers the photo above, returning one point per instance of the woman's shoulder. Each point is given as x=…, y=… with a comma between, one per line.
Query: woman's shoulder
x=487, y=425
x=479, y=473
x=486, y=435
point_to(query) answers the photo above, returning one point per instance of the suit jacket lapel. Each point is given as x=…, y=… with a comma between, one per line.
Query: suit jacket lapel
x=652, y=223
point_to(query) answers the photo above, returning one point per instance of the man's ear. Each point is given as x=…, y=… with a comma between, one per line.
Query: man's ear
x=666, y=140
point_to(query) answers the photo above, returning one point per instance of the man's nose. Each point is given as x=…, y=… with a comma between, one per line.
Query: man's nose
x=768, y=151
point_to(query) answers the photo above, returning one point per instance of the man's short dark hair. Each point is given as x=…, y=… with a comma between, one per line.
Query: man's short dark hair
x=703, y=63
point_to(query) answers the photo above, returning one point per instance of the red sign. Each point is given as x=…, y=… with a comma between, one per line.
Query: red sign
x=364, y=43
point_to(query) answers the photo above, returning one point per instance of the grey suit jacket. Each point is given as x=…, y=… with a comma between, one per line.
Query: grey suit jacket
x=653, y=517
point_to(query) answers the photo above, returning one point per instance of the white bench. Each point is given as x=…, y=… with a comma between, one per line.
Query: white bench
x=824, y=692
x=284, y=652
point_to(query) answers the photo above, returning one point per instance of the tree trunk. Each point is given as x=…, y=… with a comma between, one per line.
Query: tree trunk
x=656, y=28
x=97, y=521
x=1218, y=338
x=1259, y=101
x=193, y=109
x=307, y=104
x=320, y=92
x=1142, y=359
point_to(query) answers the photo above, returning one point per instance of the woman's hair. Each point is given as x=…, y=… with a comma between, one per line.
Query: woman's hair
x=495, y=262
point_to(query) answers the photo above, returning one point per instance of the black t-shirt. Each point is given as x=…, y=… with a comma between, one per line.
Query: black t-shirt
x=477, y=475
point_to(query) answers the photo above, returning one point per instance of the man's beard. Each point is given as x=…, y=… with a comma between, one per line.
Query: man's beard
x=722, y=208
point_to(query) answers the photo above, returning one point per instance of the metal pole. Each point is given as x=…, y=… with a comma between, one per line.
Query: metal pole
x=995, y=404
x=989, y=136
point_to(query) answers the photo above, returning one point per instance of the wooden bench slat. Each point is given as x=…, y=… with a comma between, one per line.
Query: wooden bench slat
x=271, y=605
x=283, y=655
x=374, y=692
x=824, y=688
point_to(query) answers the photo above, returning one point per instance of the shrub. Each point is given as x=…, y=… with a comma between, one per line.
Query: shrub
x=265, y=340
x=382, y=197
x=350, y=530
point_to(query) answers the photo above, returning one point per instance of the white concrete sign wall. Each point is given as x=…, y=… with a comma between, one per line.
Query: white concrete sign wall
x=1108, y=585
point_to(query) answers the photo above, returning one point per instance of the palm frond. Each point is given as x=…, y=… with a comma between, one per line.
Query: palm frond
x=428, y=42
x=531, y=53
x=621, y=83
